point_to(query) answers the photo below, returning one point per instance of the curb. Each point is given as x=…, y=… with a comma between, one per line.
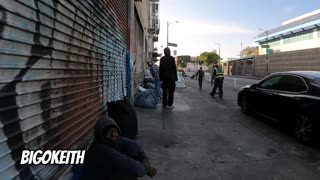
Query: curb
x=246, y=77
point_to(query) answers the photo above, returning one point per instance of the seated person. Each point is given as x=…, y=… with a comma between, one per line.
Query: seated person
x=113, y=157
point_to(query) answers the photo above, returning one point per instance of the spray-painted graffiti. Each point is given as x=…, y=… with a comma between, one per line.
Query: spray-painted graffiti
x=60, y=62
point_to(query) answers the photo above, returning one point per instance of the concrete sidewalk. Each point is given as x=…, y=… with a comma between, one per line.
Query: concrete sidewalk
x=167, y=137
x=207, y=139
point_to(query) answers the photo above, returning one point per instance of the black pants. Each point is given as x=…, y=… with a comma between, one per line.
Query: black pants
x=168, y=92
x=218, y=83
x=200, y=82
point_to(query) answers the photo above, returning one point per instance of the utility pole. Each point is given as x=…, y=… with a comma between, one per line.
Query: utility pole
x=267, y=52
x=219, y=50
x=241, y=50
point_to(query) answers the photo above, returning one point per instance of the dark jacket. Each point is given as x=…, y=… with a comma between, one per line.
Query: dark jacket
x=200, y=73
x=168, y=69
x=120, y=160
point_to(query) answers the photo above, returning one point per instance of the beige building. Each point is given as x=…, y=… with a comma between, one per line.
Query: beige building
x=299, y=33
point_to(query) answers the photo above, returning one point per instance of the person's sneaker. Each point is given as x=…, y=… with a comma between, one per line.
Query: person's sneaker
x=211, y=94
x=170, y=107
x=164, y=107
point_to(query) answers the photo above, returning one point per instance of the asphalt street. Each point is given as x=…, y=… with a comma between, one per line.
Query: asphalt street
x=209, y=138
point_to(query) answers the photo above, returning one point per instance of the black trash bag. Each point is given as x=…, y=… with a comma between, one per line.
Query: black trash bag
x=146, y=99
x=125, y=116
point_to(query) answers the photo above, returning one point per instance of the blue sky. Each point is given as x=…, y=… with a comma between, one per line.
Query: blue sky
x=204, y=23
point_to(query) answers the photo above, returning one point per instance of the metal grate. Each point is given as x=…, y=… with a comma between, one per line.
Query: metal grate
x=60, y=62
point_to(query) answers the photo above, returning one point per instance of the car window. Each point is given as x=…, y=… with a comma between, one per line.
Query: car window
x=317, y=80
x=292, y=84
x=270, y=83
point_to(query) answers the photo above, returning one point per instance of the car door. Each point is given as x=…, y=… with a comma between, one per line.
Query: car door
x=289, y=97
x=264, y=96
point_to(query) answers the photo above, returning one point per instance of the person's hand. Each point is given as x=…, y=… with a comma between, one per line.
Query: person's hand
x=146, y=163
x=152, y=171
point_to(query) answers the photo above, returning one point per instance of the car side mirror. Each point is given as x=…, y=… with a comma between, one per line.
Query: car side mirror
x=254, y=86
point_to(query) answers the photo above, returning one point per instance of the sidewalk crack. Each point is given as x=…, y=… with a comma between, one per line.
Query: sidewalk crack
x=214, y=164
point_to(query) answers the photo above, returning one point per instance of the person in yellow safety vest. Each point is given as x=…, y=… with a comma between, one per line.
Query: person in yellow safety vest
x=218, y=82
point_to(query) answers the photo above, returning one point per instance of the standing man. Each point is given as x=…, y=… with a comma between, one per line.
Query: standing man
x=200, y=74
x=218, y=82
x=155, y=75
x=168, y=77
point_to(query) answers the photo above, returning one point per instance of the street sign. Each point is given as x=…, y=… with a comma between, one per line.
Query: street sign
x=265, y=46
x=269, y=51
x=173, y=44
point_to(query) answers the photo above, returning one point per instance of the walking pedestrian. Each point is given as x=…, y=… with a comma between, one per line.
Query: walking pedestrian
x=200, y=74
x=218, y=82
x=168, y=77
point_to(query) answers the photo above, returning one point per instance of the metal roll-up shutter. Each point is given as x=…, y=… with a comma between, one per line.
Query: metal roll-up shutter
x=60, y=62
x=138, y=61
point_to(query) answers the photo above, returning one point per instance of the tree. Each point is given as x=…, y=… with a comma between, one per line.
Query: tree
x=250, y=51
x=209, y=58
x=183, y=60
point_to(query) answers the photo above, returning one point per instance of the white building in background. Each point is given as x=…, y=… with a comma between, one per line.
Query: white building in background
x=299, y=33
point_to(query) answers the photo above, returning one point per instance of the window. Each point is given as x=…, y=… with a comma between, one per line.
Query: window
x=301, y=36
x=317, y=80
x=270, y=83
x=292, y=84
x=272, y=43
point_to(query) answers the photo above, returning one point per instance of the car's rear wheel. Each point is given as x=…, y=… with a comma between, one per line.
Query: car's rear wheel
x=303, y=128
x=244, y=105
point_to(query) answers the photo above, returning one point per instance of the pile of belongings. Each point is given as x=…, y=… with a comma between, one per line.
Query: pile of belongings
x=146, y=98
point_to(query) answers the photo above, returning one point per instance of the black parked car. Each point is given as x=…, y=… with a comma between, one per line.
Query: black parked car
x=292, y=98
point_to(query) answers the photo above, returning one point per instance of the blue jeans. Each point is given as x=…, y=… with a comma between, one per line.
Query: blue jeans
x=157, y=88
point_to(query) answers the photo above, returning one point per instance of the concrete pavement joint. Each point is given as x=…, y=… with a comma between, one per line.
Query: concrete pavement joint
x=253, y=160
x=214, y=164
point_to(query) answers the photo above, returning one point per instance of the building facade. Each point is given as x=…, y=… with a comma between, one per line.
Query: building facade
x=61, y=61
x=300, y=33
